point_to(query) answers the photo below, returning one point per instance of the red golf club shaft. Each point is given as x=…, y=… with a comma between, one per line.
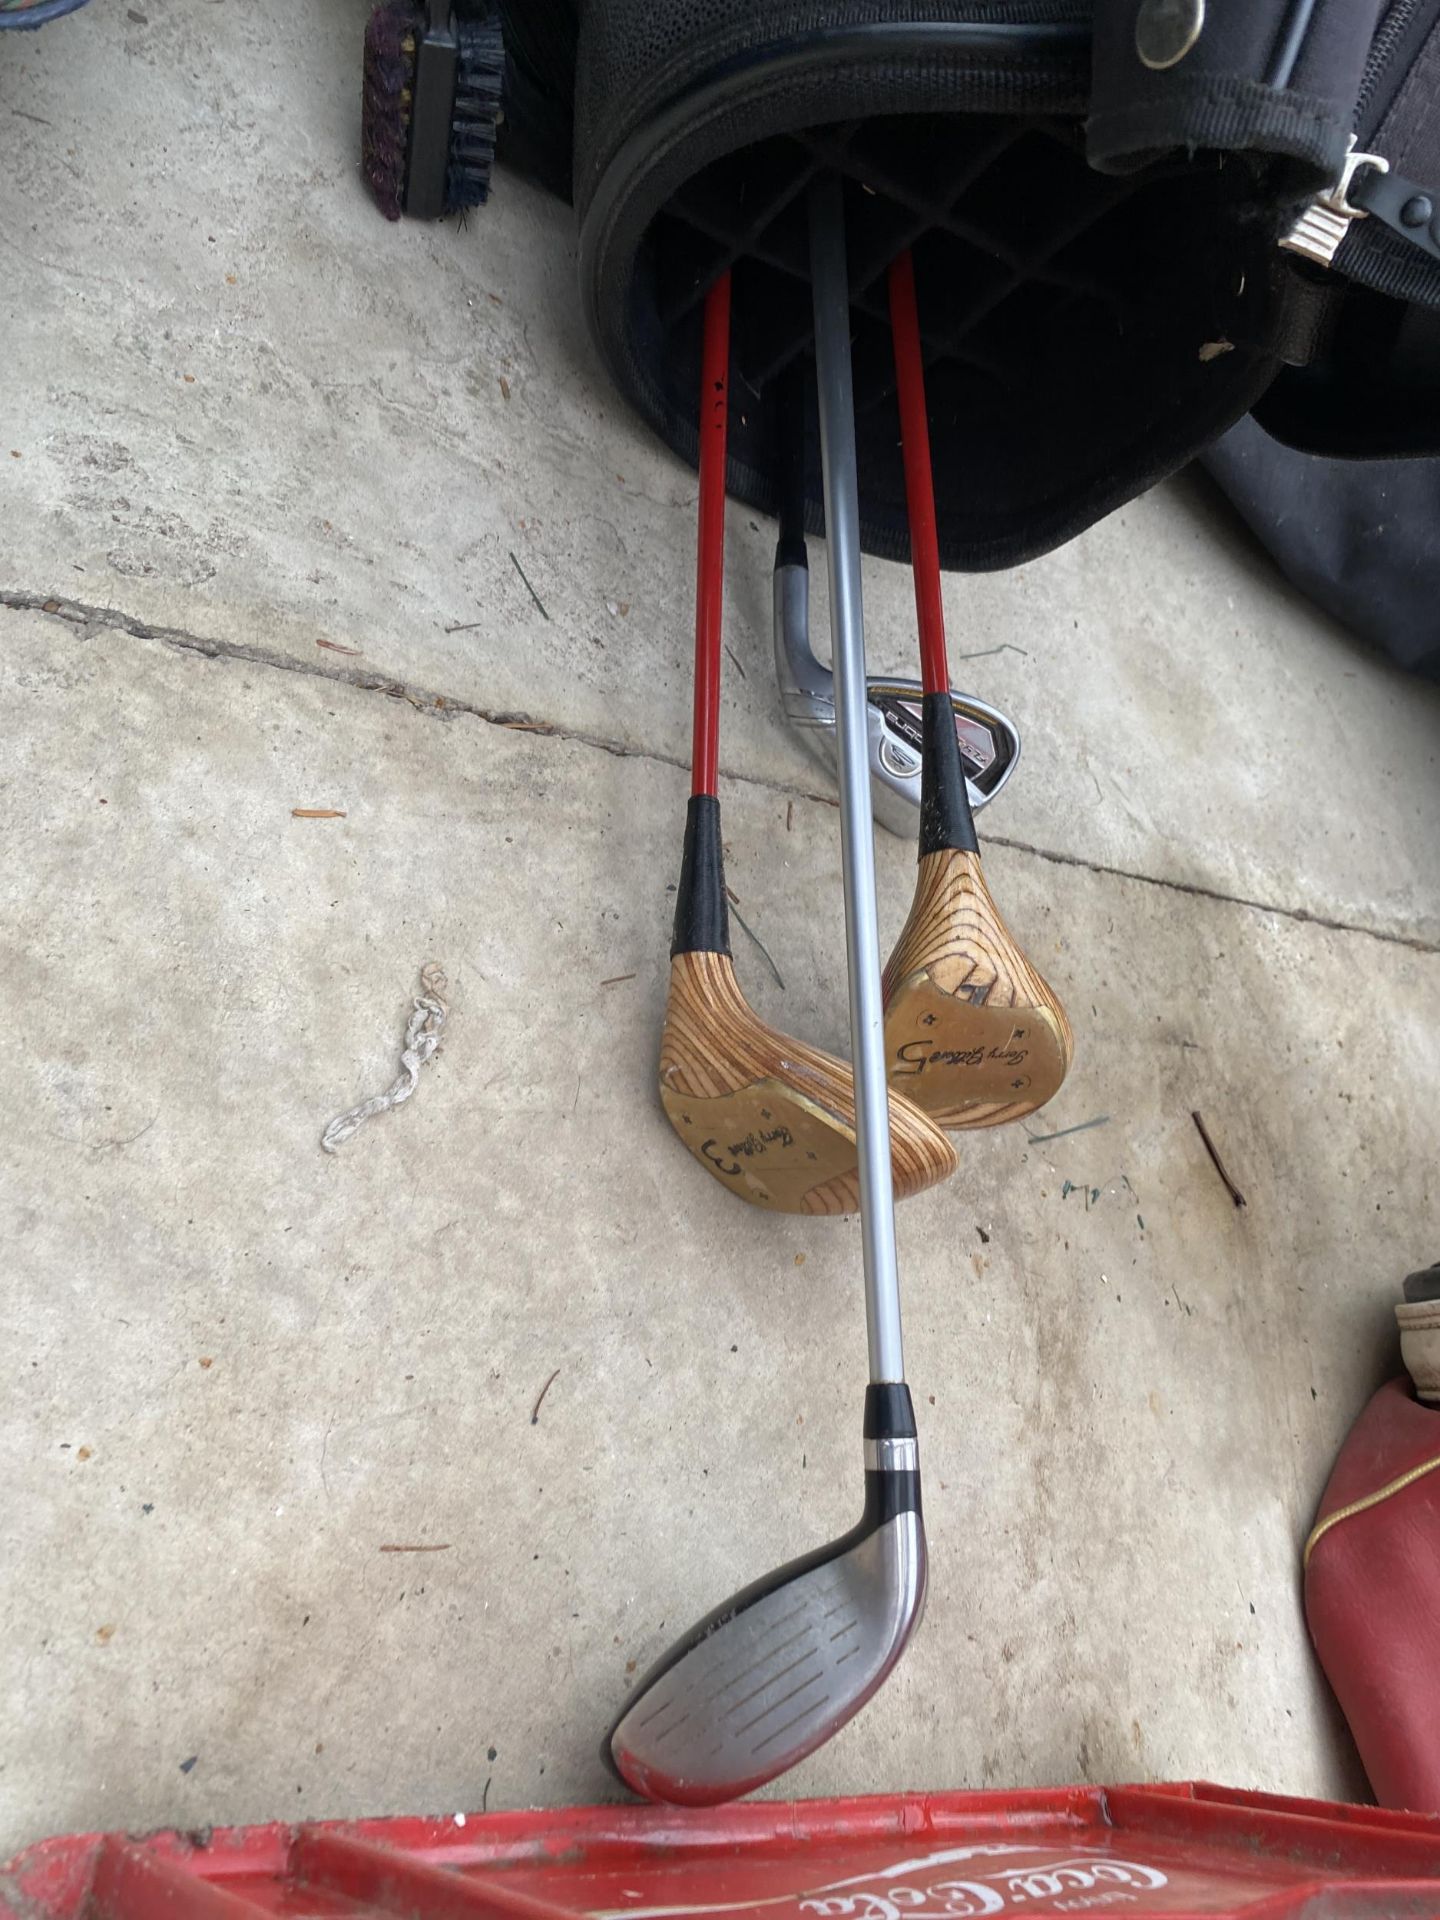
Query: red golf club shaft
x=919, y=481
x=710, y=563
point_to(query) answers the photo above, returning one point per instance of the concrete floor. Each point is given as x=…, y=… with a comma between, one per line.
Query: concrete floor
x=266, y=450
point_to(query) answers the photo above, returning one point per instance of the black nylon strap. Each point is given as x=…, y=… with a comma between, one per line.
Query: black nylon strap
x=1407, y=209
x=1311, y=306
x=1277, y=79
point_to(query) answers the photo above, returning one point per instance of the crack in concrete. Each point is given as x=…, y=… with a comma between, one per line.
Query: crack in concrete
x=1414, y=942
x=77, y=613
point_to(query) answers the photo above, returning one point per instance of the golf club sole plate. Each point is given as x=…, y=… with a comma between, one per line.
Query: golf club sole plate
x=761, y=1686
x=973, y=1033
x=967, y=1063
x=785, y=1144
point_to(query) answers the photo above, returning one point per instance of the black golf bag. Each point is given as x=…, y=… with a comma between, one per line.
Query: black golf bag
x=1132, y=221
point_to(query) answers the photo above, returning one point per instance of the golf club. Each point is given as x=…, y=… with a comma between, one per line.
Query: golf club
x=770, y=1118
x=972, y=1032
x=778, y=1669
x=989, y=743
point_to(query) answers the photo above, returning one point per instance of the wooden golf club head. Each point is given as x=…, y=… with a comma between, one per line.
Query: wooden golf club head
x=973, y=1034
x=772, y=1119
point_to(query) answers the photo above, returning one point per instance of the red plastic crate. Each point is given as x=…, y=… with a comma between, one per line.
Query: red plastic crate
x=1173, y=1850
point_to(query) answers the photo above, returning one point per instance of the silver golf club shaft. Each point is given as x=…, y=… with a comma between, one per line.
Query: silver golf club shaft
x=831, y=289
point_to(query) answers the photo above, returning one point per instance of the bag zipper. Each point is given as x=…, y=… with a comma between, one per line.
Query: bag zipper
x=1405, y=208
x=1392, y=38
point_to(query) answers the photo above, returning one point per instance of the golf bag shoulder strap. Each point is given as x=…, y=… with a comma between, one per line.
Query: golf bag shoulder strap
x=1276, y=79
x=1339, y=100
x=1335, y=107
x=1370, y=389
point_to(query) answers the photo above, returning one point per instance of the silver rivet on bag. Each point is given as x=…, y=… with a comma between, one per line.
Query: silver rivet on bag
x=1166, y=30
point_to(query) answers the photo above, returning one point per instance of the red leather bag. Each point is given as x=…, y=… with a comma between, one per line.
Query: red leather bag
x=1372, y=1593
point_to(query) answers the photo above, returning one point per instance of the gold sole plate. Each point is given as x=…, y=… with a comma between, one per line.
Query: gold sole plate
x=970, y=1065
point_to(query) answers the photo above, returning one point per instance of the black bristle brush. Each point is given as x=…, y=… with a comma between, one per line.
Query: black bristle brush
x=430, y=107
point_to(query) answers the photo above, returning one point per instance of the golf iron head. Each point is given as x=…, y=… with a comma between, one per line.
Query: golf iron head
x=989, y=742
x=779, y=1668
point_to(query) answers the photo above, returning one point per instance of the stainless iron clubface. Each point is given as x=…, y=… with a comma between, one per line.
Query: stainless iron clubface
x=774, y=1672
x=989, y=742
